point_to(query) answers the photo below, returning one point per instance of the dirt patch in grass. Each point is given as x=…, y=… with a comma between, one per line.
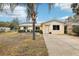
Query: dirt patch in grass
x=21, y=44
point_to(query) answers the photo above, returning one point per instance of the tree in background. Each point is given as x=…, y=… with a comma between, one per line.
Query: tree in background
x=14, y=25
x=76, y=29
x=4, y=24
x=75, y=9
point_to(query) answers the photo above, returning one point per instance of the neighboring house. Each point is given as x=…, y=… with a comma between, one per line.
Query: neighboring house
x=70, y=22
x=53, y=27
x=4, y=29
x=28, y=27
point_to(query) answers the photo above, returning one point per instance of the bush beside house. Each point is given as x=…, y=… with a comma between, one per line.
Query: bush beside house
x=72, y=24
x=41, y=32
x=76, y=29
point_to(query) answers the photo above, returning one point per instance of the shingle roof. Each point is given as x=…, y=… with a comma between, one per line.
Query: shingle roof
x=52, y=21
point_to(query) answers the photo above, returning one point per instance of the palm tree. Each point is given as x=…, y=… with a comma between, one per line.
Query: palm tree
x=31, y=11
x=75, y=8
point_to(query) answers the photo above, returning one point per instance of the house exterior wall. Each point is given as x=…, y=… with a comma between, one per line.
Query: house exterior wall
x=21, y=28
x=30, y=28
x=6, y=29
x=49, y=27
x=26, y=28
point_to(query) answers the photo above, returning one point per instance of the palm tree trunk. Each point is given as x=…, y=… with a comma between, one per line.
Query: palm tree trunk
x=34, y=29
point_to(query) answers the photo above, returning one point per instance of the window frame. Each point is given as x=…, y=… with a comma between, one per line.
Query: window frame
x=56, y=27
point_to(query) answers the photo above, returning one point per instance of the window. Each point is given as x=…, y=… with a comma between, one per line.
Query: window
x=24, y=27
x=56, y=27
x=37, y=28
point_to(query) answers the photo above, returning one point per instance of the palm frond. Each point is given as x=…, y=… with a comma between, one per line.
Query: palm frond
x=50, y=6
x=30, y=9
x=74, y=5
x=1, y=7
x=75, y=8
x=12, y=6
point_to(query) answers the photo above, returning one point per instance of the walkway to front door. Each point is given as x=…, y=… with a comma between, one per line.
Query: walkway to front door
x=62, y=45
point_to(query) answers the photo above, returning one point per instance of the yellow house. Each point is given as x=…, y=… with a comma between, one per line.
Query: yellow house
x=53, y=27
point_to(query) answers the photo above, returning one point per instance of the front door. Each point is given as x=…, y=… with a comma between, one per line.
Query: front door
x=46, y=30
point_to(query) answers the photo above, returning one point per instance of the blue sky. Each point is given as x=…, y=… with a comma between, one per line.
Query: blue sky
x=58, y=11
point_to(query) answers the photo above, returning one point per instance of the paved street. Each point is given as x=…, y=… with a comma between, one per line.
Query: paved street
x=62, y=45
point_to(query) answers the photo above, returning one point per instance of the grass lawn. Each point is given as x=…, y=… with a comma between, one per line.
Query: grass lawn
x=21, y=44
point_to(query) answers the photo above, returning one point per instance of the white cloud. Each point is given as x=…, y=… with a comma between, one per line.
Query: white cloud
x=20, y=11
x=64, y=6
x=65, y=17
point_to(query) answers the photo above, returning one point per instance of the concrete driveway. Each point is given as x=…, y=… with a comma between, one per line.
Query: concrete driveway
x=62, y=45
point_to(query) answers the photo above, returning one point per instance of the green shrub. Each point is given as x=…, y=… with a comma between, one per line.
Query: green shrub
x=76, y=29
x=20, y=31
x=28, y=30
x=37, y=30
x=41, y=32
